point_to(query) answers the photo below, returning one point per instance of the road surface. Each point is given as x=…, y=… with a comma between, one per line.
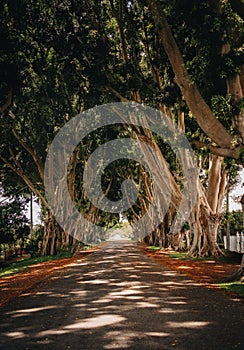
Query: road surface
x=120, y=299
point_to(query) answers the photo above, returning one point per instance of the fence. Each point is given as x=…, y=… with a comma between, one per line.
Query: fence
x=236, y=243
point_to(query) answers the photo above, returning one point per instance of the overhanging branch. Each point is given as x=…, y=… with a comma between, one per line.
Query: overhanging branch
x=198, y=106
x=33, y=153
x=8, y=102
x=117, y=94
x=238, y=7
x=222, y=152
x=19, y=172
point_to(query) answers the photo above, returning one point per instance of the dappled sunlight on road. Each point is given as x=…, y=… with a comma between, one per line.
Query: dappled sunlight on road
x=15, y=335
x=28, y=312
x=193, y=324
x=115, y=300
x=96, y=322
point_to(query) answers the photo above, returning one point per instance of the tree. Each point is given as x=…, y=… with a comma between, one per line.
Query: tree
x=113, y=52
x=227, y=145
x=14, y=225
x=37, y=66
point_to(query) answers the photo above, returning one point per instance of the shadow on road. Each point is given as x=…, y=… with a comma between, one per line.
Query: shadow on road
x=120, y=299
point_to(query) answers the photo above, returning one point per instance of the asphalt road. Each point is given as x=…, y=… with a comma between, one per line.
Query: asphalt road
x=120, y=299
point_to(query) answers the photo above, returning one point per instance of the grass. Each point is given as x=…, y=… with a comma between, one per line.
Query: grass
x=22, y=265
x=153, y=247
x=175, y=255
x=86, y=247
x=181, y=256
x=233, y=287
x=184, y=256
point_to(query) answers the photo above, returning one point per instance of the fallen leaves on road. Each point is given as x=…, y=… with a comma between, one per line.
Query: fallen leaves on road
x=14, y=285
x=208, y=272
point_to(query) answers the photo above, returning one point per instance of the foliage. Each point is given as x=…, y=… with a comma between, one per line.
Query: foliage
x=153, y=247
x=235, y=219
x=185, y=256
x=22, y=265
x=60, y=58
x=34, y=241
x=13, y=222
x=233, y=287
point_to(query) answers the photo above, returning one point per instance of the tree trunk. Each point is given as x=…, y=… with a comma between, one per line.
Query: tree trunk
x=199, y=108
x=212, y=247
x=214, y=196
x=241, y=270
x=206, y=217
x=54, y=239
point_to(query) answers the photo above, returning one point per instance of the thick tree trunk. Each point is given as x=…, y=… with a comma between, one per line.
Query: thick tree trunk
x=199, y=108
x=196, y=230
x=235, y=90
x=211, y=216
x=217, y=182
x=214, y=179
x=55, y=239
x=238, y=275
x=206, y=217
x=212, y=248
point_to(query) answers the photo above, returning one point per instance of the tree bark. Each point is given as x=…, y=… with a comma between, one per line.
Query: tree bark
x=234, y=88
x=8, y=102
x=215, y=194
x=54, y=239
x=214, y=179
x=199, y=108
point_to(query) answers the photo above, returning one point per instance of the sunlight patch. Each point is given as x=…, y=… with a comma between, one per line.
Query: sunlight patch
x=125, y=292
x=157, y=334
x=170, y=311
x=15, y=335
x=145, y=304
x=34, y=309
x=97, y=281
x=190, y=324
x=102, y=301
x=96, y=322
x=120, y=340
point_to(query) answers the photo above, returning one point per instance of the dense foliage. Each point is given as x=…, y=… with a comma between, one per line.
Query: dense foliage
x=60, y=58
x=14, y=228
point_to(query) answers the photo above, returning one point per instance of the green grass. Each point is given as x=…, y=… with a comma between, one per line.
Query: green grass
x=185, y=256
x=22, y=265
x=153, y=247
x=178, y=255
x=233, y=287
x=86, y=247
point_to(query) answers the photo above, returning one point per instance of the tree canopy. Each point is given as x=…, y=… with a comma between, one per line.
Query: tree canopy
x=58, y=59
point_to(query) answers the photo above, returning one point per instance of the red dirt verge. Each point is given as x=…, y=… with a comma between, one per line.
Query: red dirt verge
x=207, y=272
x=15, y=284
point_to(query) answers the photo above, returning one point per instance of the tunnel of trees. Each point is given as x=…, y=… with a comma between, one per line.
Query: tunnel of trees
x=184, y=58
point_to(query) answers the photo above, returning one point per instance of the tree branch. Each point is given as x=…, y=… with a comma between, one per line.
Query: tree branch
x=119, y=19
x=33, y=153
x=199, y=108
x=223, y=152
x=117, y=94
x=24, y=177
x=238, y=7
x=8, y=102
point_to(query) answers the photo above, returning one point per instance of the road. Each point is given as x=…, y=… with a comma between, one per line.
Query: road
x=120, y=299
